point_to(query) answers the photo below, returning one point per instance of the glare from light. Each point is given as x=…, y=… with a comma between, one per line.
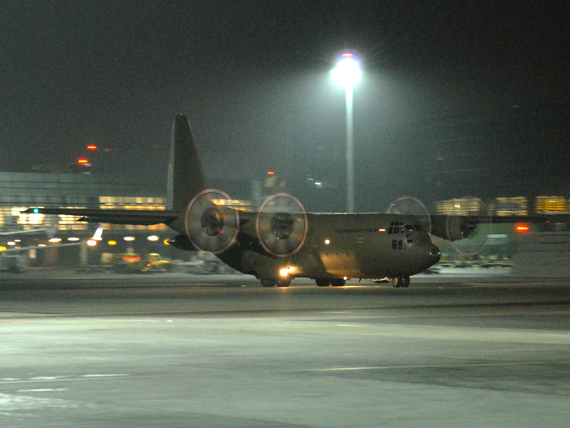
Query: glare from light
x=129, y=238
x=152, y=238
x=283, y=272
x=347, y=71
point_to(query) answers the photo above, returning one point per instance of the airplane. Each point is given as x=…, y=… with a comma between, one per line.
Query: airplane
x=281, y=241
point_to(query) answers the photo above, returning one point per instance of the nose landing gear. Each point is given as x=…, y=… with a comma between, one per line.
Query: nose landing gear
x=401, y=281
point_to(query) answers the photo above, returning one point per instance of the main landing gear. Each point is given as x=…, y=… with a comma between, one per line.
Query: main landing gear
x=401, y=281
x=325, y=282
x=272, y=283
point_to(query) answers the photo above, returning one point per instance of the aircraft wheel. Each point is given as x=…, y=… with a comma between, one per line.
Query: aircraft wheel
x=337, y=282
x=284, y=283
x=401, y=281
x=323, y=282
x=267, y=283
x=397, y=281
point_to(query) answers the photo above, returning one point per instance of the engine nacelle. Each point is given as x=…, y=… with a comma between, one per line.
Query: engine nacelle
x=452, y=228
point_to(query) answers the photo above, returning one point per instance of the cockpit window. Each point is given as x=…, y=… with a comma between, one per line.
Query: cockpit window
x=396, y=227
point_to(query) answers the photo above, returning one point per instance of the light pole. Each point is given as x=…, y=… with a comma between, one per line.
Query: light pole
x=347, y=73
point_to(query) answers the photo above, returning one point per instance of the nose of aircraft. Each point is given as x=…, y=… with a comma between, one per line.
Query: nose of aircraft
x=424, y=254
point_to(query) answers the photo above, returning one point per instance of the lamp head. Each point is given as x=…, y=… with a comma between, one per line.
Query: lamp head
x=347, y=71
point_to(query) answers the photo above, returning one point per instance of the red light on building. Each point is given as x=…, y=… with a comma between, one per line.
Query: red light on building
x=83, y=161
x=91, y=147
x=522, y=228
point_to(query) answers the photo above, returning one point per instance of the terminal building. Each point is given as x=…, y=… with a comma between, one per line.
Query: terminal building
x=57, y=240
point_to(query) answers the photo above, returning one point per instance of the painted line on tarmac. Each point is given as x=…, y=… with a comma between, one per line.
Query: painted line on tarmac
x=433, y=366
x=42, y=379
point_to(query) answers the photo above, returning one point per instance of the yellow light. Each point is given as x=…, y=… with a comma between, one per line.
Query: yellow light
x=112, y=242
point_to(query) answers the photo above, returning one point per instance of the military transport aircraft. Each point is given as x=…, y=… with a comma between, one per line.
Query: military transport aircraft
x=281, y=241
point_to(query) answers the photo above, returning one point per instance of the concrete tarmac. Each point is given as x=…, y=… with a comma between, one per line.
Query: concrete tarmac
x=220, y=351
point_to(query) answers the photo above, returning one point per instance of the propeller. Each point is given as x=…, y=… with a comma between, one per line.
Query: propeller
x=475, y=241
x=408, y=205
x=211, y=226
x=281, y=225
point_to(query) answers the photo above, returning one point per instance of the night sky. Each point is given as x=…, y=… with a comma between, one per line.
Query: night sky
x=253, y=77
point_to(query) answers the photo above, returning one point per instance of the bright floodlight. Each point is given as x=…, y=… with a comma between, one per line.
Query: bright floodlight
x=347, y=70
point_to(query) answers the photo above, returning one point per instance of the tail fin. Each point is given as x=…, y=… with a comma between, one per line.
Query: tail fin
x=185, y=174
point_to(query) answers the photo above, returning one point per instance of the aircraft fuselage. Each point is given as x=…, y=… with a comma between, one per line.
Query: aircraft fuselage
x=346, y=246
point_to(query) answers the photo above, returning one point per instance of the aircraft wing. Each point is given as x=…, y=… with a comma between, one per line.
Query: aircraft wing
x=136, y=217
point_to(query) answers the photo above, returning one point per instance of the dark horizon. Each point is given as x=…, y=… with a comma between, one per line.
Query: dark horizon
x=254, y=80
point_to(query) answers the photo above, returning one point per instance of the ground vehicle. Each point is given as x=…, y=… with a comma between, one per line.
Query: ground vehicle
x=153, y=262
x=134, y=263
x=122, y=262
